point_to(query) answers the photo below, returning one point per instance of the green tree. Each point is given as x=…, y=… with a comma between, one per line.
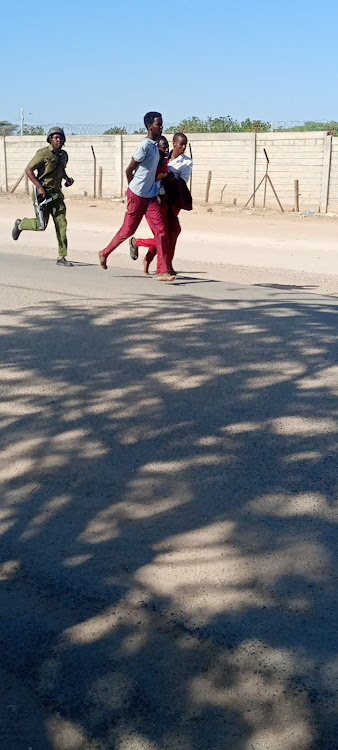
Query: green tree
x=254, y=126
x=222, y=125
x=219, y=125
x=331, y=126
x=7, y=128
x=33, y=130
x=192, y=125
x=115, y=130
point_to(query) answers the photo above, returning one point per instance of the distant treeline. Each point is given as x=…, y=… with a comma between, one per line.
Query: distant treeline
x=189, y=125
x=229, y=125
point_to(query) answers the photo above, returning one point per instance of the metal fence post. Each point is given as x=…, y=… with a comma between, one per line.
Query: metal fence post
x=100, y=182
x=3, y=163
x=207, y=189
x=296, y=191
x=324, y=196
x=94, y=173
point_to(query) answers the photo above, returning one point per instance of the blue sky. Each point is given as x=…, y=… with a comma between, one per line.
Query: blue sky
x=109, y=62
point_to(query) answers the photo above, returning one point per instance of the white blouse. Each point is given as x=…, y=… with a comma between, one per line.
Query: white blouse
x=181, y=167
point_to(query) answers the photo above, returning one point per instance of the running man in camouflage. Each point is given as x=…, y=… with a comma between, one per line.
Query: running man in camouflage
x=50, y=164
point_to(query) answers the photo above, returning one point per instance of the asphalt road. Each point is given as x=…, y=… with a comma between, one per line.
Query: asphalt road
x=168, y=464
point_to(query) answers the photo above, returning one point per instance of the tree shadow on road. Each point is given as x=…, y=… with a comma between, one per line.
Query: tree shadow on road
x=168, y=571
x=288, y=287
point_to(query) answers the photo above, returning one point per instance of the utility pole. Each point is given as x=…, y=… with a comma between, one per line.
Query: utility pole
x=22, y=119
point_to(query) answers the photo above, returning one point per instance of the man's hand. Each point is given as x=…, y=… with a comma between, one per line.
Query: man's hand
x=69, y=181
x=36, y=182
x=131, y=169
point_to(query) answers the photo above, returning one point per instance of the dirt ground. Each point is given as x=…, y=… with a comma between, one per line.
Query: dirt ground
x=244, y=246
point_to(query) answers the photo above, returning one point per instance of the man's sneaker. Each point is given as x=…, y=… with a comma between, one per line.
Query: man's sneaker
x=63, y=262
x=133, y=249
x=16, y=231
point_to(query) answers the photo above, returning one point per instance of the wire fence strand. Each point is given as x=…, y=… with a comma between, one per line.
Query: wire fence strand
x=221, y=125
x=125, y=128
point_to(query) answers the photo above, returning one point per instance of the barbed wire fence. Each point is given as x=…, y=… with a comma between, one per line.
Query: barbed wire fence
x=123, y=128
x=119, y=128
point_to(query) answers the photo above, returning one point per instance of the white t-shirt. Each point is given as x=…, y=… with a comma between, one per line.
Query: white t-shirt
x=181, y=167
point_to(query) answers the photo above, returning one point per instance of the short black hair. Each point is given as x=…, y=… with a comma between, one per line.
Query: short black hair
x=180, y=135
x=149, y=118
x=164, y=139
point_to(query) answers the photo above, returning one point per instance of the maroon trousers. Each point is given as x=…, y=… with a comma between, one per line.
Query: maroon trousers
x=173, y=229
x=138, y=207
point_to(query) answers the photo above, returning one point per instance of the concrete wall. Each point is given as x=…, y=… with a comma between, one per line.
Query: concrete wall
x=236, y=161
x=293, y=156
x=19, y=150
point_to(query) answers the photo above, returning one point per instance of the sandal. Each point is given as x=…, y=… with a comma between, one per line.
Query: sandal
x=133, y=249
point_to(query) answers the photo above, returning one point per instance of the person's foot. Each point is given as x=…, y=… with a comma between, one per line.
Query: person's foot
x=171, y=270
x=16, y=231
x=102, y=260
x=146, y=265
x=133, y=249
x=165, y=276
x=64, y=262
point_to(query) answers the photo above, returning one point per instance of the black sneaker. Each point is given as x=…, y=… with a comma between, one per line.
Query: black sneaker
x=16, y=231
x=133, y=249
x=64, y=262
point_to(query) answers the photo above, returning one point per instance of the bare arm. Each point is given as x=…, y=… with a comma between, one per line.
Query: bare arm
x=131, y=169
x=35, y=181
